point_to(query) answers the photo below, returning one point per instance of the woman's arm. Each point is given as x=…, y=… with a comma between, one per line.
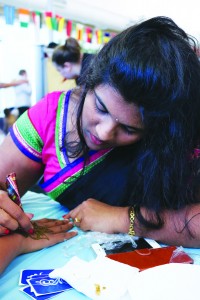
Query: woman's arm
x=16, y=244
x=181, y=227
x=13, y=160
x=13, y=83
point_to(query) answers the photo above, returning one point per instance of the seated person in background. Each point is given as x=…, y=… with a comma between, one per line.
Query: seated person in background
x=69, y=61
x=121, y=151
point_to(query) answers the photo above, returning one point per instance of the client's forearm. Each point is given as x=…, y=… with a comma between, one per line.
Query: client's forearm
x=10, y=247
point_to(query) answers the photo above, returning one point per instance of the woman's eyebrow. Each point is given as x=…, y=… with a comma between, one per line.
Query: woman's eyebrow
x=139, y=129
x=100, y=101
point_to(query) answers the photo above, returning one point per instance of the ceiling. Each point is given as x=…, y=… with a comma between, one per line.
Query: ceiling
x=119, y=14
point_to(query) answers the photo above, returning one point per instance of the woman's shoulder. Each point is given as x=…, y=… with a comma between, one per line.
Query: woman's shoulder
x=46, y=107
x=50, y=100
x=54, y=96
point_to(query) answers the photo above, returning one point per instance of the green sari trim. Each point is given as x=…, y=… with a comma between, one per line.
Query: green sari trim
x=63, y=186
x=28, y=132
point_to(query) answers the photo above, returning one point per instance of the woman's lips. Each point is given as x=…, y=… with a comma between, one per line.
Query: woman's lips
x=95, y=140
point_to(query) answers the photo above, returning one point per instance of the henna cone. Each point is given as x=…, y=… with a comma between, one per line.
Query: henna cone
x=11, y=187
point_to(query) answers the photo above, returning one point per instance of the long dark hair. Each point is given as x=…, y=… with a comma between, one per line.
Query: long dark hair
x=154, y=65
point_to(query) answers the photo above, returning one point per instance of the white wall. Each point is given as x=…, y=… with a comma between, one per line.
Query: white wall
x=21, y=48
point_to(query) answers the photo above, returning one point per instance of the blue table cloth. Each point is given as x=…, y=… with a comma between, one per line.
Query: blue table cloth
x=53, y=257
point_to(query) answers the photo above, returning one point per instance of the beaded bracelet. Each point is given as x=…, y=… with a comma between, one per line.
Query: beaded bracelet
x=131, y=218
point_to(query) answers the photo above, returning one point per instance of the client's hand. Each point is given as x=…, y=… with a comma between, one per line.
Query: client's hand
x=97, y=216
x=56, y=233
x=15, y=244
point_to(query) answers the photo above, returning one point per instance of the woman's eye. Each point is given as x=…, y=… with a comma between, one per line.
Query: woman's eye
x=128, y=130
x=100, y=107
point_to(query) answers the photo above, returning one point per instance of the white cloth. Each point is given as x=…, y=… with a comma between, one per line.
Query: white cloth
x=23, y=94
x=102, y=278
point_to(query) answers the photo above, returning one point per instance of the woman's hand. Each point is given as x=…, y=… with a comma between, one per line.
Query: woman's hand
x=12, y=216
x=97, y=216
x=15, y=244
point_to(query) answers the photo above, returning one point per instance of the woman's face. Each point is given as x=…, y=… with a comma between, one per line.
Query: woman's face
x=66, y=70
x=108, y=121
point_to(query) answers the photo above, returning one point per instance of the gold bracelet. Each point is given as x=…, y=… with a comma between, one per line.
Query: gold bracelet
x=131, y=218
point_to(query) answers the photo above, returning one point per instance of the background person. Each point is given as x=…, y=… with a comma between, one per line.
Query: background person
x=69, y=61
x=11, y=114
x=23, y=93
x=22, y=101
x=12, y=84
x=54, y=79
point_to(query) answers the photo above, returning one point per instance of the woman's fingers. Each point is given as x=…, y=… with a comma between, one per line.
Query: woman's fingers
x=11, y=215
x=7, y=221
x=4, y=230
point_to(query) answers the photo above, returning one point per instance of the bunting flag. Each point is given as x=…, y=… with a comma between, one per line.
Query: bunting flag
x=106, y=37
x=69, y=28
x=9, y=13
x=37, y=19
x=99, y=36
x=57, y=23
x=73, y=33
x=54, y=22
x=24, y=17
x=88, y=31
x=61, y=23
x=79, y=32
x=48, y=20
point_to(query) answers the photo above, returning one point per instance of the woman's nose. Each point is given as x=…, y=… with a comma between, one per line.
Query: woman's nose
x=106, y=130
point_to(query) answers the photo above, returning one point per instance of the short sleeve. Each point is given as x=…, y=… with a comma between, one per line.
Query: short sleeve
x=31, y=130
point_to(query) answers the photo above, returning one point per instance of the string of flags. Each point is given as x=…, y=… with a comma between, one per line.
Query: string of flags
x=55, y=22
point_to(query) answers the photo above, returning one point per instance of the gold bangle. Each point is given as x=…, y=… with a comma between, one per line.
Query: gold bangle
x=131, y=219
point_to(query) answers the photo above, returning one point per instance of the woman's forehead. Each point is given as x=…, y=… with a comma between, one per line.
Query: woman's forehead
x=116, y=105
